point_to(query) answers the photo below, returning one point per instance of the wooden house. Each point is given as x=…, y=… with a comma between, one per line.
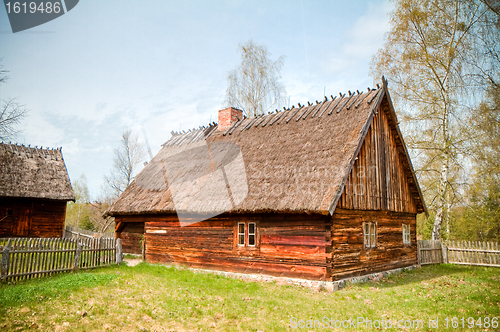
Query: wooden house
x=321, y=191
x=34, y=190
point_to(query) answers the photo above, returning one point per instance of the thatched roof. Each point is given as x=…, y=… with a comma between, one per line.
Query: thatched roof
x=293, y=161
x=33, y=173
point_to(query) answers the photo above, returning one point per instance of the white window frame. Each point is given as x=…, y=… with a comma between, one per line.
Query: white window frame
x=243, y=232
x=406, y=234
x=370, y=234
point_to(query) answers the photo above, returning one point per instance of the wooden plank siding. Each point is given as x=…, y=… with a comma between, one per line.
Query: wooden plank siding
x=32, y=217
x=351, y=258
x=379, y=179
x=378, y=189
x=290, y=245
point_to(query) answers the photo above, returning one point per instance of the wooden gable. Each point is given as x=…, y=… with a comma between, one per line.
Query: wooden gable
x=382, y=177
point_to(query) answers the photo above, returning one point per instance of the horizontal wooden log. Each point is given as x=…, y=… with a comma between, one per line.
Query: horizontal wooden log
x=251, y=266
x=294, y=240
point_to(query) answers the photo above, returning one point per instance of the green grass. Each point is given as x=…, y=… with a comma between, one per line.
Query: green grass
x=132, y=256
x=160, y=298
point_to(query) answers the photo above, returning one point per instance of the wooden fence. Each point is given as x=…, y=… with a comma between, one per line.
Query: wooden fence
x=473, y=253
x=458, y=252
x=71, y=232
x=24, y=258
x=430, y=252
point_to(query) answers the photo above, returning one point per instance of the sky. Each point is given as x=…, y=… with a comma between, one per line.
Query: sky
x=157, y=66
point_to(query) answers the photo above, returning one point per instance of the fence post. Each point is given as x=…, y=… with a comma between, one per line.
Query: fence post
x=143, y=248
x=76, y=263
x=4, y=270
x=119, y=255
x=444, y=249
x=418, y=252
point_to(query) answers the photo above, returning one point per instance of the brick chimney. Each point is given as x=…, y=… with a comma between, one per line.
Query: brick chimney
x=228, y=116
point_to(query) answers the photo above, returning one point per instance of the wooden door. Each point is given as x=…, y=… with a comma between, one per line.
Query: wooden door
x=22, y=226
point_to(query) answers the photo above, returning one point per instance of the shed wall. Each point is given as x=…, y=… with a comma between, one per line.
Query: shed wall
x=32, y=217
x=288, y=245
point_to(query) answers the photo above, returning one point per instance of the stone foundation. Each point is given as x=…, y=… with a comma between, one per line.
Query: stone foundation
x=329, y=286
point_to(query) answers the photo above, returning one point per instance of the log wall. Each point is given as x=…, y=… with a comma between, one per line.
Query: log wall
x=380, y=178
x=351, y=258
x=32, y=217
x=287, y=245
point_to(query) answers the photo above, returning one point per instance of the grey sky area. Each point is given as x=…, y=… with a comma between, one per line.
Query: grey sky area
x=157, y=66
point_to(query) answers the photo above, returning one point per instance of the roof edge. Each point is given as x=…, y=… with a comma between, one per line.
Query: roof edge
x=407, y=155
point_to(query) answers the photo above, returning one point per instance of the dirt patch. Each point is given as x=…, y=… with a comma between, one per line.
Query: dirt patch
x=132, y=262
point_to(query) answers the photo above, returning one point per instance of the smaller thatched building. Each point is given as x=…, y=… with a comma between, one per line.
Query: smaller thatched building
x=320, y=191
x=34, y=190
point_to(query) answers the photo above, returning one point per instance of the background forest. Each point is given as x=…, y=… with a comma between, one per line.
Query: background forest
x=443, y=60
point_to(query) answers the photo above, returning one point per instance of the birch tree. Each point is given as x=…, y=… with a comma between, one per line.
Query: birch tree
x=254, y=86
x=77, y=213
x=127, y=157
x=438, y=69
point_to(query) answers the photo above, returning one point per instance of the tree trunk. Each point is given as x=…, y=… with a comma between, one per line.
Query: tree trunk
x=442, y=206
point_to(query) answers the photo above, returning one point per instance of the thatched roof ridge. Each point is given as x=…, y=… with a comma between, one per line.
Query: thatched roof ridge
x=32, y=172
x=295, y=160
x=191, y=136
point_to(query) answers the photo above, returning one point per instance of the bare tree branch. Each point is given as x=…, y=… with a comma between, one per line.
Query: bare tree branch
x=11, y=114
x=128, y=155
x=254, y=86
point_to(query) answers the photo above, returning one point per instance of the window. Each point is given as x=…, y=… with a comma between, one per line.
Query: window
x=370, y=234
x=10, y=212
x=406, y=234
x=241, y=234
x=251, y=234
x=247, y=234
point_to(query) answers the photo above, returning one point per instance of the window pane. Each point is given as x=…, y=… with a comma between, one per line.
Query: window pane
x=373, y=235
x=406, y=233
x=241, y=234
x=251, y=228
x=366, y=233
x=251, y=240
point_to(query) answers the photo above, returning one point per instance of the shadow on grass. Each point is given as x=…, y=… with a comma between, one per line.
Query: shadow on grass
x=433, y=272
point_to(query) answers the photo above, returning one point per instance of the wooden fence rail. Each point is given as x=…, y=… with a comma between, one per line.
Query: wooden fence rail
x=473, y=253
x=458, y=252
x=24, y=258
x=429, y=252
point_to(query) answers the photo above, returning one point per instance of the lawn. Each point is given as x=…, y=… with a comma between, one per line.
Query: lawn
x=159, y=298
